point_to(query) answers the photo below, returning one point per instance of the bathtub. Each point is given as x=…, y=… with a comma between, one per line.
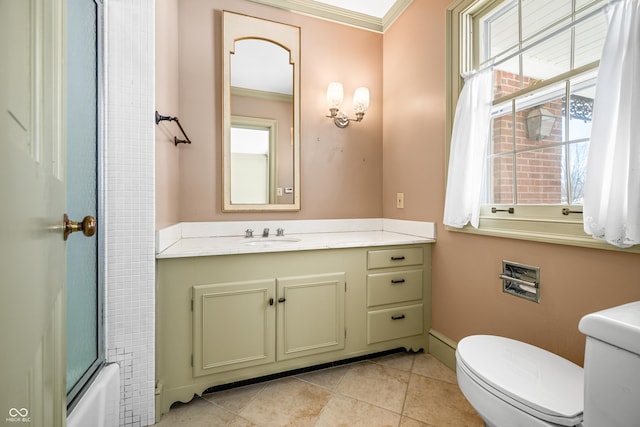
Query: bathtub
x=100, y=406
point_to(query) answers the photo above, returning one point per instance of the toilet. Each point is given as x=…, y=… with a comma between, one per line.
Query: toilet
x=514, y=384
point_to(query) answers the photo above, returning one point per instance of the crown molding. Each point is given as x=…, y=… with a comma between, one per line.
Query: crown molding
x=396, y=10
x=340, y=15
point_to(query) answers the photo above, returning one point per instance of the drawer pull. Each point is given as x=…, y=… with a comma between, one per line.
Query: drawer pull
x=397, y=317
x=397, y=258
x=396, y=281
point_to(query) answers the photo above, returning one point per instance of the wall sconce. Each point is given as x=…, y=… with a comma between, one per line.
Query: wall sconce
x=539, y=123
x=334, y=100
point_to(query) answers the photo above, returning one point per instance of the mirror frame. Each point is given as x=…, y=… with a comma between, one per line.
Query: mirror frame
x=238, y=27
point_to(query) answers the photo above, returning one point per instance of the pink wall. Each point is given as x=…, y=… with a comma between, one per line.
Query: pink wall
x=467, y=296
x=414, y=100
x=341, y=169
x=167, y=155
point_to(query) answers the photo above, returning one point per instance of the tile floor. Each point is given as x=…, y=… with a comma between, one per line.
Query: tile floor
x=400, y=390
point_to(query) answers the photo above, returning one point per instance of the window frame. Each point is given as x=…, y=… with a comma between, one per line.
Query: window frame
x=539, y=223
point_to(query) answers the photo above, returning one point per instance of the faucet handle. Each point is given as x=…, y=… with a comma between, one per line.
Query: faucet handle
x=248, y=232
x=280, y=232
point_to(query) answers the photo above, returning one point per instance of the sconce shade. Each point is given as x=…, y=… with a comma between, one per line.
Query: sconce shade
x=361, y=100
x=539, y=123
x=334, y=95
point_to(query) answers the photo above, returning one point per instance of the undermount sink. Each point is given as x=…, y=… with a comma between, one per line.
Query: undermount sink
x=257, y=241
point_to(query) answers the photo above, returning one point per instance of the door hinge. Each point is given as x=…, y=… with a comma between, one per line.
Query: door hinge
x=345, y=286
x=192, y=305
x=192, y=360
x=345, y=333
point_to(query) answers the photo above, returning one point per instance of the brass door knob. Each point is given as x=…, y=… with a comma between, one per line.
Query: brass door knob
x=87, y=226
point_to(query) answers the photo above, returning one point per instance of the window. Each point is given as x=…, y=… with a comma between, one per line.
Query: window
x=545, y=55
x=539, y=141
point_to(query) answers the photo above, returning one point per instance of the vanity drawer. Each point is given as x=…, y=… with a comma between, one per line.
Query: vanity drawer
x=392, y=323
x=393, y=287
x=384, y=258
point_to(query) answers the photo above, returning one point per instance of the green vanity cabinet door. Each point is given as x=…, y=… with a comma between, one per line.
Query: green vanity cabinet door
x=239, y=324
x=310, y=315
x=233, y=326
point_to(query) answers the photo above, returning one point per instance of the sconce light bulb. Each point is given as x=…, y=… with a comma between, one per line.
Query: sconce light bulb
x=361, y=100
x=334, y=95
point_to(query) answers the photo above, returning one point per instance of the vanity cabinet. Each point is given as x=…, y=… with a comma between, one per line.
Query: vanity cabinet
x=241, y=324
x=230, y=318
x=395, y=291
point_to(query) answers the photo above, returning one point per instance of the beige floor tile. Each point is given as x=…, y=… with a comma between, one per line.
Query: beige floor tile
x=409, y=422
x=342, y=411
x=286, y=402
x=328, y=378
x=197, y=413
x=428, y=366
x=376, y=384
x=235, y=399
x=241, y=422
x=404, y=390
x=402, y=361
x=439, y=403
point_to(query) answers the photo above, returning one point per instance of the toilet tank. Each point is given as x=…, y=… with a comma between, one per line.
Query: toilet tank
x=612, y=367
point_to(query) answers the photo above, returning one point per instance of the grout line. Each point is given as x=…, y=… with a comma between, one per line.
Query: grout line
x=260, y=390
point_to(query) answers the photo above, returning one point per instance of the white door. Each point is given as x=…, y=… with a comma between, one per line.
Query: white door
x=32, y=194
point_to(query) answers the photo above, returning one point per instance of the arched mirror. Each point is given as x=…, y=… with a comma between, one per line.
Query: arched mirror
x=261, y=93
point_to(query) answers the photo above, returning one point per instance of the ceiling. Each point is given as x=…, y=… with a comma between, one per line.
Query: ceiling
x=376, y=8
x=374, y=15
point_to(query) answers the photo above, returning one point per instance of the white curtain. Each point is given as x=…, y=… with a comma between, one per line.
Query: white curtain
x=612, y=187
x=468, y=147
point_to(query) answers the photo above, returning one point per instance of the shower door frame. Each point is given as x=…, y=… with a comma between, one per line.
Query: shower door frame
x=78, y=390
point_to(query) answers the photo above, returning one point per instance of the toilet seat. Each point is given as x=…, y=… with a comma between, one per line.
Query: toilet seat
x=534, y=380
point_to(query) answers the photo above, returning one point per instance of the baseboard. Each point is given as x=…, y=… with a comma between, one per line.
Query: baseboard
x=442, y=348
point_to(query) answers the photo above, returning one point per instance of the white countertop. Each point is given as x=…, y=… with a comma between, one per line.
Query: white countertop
x=200, y=239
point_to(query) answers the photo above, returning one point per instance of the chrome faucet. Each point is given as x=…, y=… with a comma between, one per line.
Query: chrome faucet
x=265, y=232
x=280, y=232
x=248, y=232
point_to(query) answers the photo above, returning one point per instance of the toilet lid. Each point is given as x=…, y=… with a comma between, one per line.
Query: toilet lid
x=535, y=380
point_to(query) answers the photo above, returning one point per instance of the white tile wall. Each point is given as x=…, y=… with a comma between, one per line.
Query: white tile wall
x=129, y=204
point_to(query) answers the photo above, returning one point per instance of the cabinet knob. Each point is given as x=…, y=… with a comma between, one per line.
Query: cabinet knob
x=270, y=301
x=282, y=299
x=397, y=317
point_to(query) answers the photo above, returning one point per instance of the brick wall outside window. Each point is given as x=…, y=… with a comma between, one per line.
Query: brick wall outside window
x=539, y=172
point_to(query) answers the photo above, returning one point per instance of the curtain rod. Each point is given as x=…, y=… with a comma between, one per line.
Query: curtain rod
x=547, y=37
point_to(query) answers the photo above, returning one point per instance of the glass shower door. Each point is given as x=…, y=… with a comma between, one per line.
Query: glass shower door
x=85, y=353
